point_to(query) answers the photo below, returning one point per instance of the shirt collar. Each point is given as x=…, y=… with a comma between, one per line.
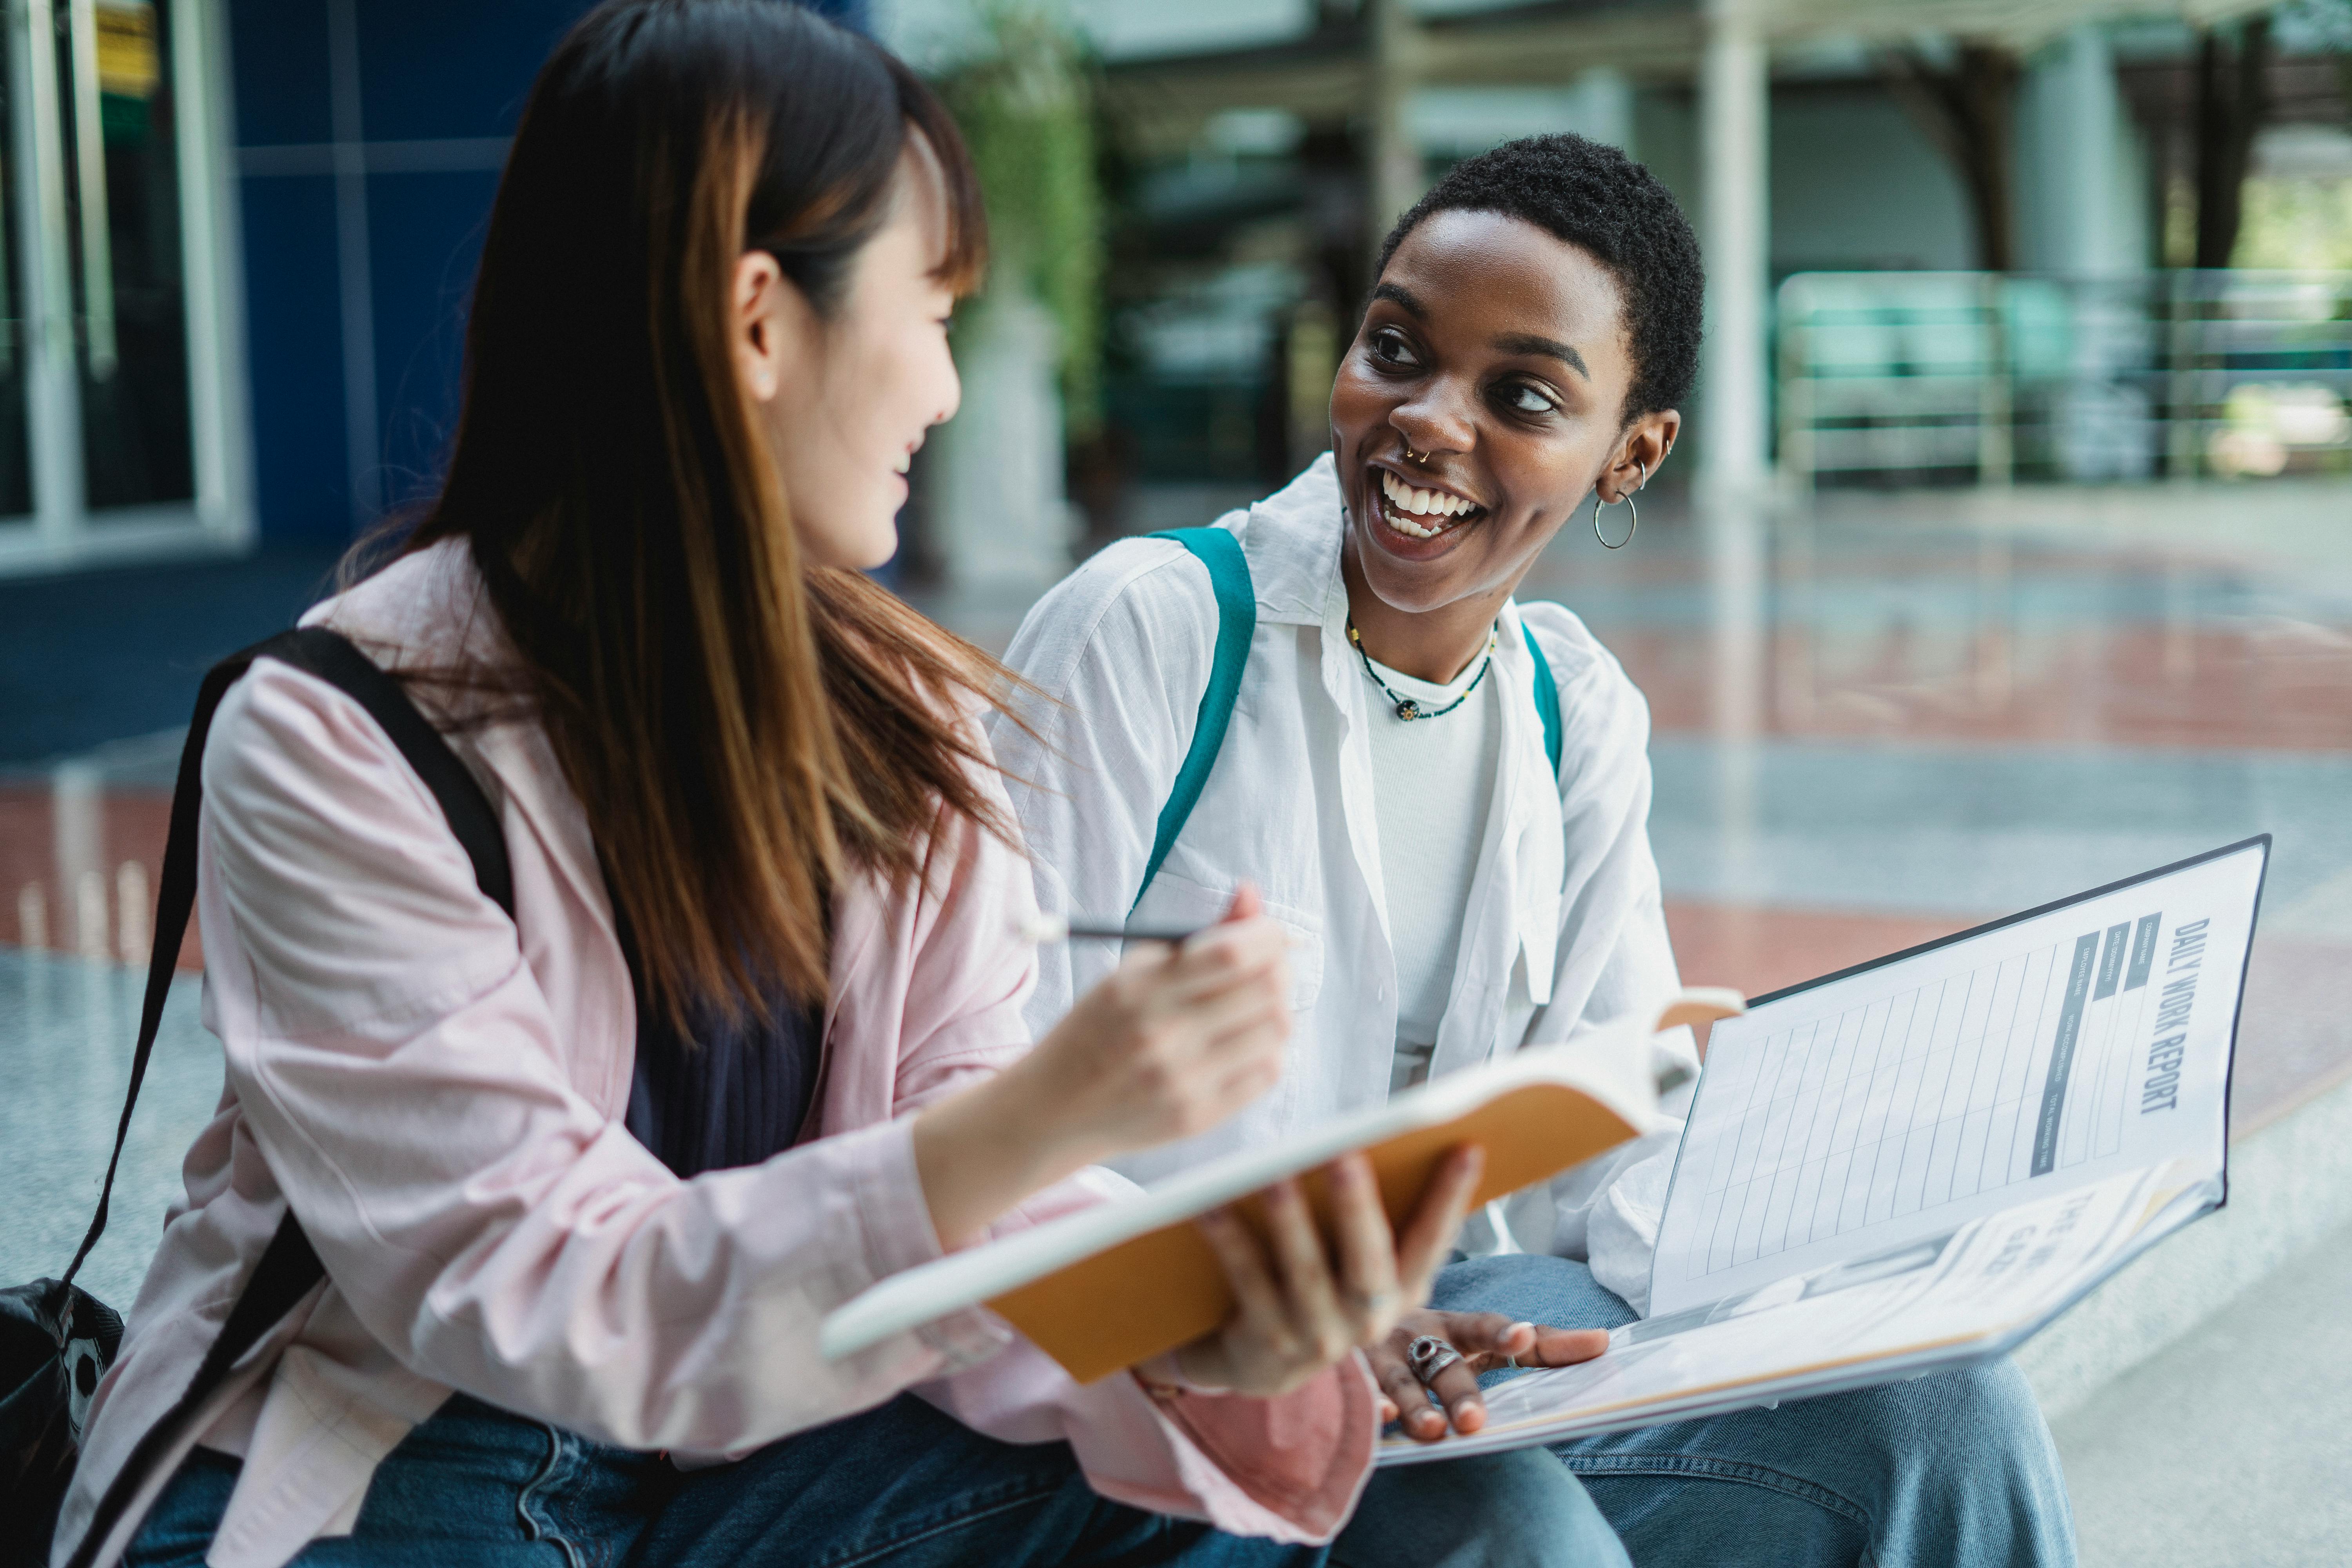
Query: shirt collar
x=1292, y=542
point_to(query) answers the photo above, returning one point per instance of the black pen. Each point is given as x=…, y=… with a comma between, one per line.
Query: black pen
x=1044, y=929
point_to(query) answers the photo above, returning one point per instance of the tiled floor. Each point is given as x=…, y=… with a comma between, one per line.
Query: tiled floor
x=1878, y=719
x=2229, y=1449
x=66, y=1029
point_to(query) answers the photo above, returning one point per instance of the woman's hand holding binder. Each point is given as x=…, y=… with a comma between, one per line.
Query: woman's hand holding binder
x=1488, y=1342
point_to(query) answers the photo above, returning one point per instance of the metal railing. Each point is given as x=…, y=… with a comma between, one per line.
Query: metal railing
x=1926, y=376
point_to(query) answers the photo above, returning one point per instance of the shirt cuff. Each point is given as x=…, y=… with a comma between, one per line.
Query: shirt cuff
x=1162, y=1377
x=897, y=1223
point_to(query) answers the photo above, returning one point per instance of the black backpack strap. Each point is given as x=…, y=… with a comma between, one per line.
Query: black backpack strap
x=314, y=650
x=289, y=1267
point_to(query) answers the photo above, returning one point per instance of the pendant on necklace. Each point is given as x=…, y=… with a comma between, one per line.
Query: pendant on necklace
x=1408, y=710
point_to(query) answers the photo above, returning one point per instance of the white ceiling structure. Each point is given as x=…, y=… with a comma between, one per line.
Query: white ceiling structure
x=1330, y=75
x=2023, y=25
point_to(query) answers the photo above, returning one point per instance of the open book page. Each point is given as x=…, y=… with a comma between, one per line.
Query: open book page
x=1861, y=1114
x=1936, y=1300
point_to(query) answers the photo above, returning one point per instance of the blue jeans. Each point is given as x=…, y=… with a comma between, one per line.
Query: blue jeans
x=1956, y=1467
x=902, y=1485
x=1497, y=1511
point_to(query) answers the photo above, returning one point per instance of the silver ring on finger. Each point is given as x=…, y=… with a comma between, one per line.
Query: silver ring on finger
x=1428, y=1356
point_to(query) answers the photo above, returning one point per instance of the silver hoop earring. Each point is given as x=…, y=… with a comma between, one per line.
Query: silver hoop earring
x=1633, y=512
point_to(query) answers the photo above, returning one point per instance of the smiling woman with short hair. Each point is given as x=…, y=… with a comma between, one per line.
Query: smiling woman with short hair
x=1444, y=795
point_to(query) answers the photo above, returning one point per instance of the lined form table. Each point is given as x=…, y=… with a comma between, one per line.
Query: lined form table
x=1928, y=1097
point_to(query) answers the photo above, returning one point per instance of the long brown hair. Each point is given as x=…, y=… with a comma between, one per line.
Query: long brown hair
x=742, y=730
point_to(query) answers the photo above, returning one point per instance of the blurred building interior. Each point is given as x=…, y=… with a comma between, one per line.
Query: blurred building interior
x=1951, y=241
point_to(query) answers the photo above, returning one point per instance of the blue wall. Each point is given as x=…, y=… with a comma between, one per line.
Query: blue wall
x=440, y=83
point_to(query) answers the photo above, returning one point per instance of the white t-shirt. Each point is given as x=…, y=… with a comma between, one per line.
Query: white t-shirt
x=1433, y=787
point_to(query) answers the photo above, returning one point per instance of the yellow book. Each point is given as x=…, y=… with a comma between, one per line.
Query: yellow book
x=1121, y=1282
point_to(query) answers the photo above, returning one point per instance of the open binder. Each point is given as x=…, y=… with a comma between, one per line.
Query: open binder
x=1923, y=1161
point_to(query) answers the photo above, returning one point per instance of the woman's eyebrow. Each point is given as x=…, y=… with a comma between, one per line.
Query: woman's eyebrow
x=1550, y=348
x=1397, y=295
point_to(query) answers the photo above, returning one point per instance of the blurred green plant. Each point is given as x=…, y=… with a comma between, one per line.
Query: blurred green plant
x=1027, y=105
x=2296, y=224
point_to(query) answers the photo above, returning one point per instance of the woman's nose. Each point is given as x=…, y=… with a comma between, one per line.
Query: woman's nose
x=1433, y=423
x=951, y=395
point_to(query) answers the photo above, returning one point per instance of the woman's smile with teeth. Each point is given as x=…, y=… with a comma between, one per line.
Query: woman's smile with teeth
x=1423, y=514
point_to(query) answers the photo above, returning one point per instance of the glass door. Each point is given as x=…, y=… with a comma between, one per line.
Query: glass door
x=18, y=325
x=115, y=397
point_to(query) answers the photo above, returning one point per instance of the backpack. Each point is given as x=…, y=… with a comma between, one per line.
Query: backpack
x=1229, y=579
x=56, y=1340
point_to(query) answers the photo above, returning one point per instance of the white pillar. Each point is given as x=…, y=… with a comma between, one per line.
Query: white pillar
x=1398, y=180
x=1605, y=107
x=1735, y=124
x=1003, y=519
x=1734, y=106
x=2086, y=155
x=2073, y=161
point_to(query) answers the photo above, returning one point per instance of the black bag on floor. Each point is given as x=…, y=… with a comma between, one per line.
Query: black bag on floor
x=56, y=1340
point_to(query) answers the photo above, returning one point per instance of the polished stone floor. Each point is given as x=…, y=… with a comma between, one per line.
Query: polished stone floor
x=2233, y=1448
x=66, y=1030
x=1878, y=719
x=1882, y=718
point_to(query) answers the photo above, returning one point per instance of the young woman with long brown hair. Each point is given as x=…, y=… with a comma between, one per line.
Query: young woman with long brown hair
x=584, y=1180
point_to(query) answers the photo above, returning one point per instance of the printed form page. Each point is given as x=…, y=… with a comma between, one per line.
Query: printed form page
x=1858, y=1114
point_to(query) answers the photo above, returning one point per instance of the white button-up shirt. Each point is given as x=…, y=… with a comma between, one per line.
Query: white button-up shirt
x=1563, y=929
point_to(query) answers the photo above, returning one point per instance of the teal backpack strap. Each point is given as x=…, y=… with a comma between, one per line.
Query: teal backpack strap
x=1547, y=699
x=1229, y=578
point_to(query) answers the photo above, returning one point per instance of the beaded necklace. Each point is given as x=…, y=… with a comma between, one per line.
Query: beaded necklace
x=1406, y=707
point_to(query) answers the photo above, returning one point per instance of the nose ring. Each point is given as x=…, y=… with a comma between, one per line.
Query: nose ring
x=1418, y=460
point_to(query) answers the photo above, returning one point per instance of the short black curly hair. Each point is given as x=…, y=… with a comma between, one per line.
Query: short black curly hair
x=1595, y=197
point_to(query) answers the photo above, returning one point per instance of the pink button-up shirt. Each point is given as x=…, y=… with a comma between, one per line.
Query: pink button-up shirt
x=439, y=1091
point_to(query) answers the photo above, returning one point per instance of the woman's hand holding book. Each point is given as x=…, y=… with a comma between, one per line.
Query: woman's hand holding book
x=1178, y=1039
x=1304, y=1302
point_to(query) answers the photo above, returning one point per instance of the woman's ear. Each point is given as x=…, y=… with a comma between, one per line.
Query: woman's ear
x=768, y=321
x=1640, y=454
